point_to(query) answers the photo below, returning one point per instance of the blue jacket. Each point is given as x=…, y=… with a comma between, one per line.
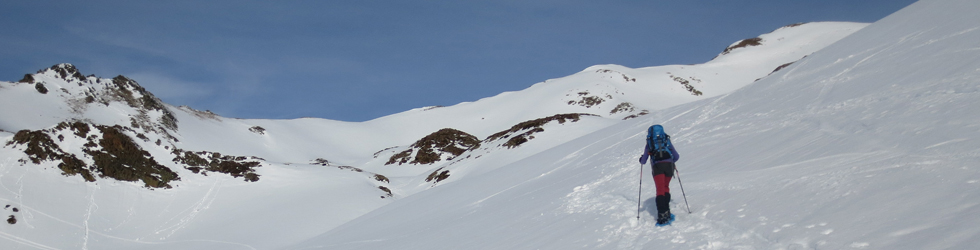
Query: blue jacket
x=646, y=154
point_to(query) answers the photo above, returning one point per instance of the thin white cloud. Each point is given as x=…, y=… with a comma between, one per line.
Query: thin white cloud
x=172, y=90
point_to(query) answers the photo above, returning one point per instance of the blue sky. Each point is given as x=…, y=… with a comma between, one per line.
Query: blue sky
x=359, y=60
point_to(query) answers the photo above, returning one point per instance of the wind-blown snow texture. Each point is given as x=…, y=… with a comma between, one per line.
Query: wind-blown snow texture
x=868, y=143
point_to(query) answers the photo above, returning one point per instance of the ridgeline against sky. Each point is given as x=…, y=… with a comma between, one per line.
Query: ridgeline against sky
x=867, y=142
x=366, y=59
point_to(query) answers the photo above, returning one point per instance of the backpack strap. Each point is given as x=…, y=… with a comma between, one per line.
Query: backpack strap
x=649, y=140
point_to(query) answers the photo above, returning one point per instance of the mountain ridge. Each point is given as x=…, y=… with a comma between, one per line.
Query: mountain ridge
x=310, y=174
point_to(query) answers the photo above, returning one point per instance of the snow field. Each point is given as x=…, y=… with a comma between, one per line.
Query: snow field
x=215, y=211
x=869, y=143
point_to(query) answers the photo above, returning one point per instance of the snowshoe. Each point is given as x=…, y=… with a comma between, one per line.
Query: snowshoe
x=665, y=219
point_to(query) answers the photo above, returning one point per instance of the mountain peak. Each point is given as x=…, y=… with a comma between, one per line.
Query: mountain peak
x=69, y=95
x=64, y=71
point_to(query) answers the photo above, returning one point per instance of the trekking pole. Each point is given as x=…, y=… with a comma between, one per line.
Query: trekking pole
x=682, y=188
x=639, y=195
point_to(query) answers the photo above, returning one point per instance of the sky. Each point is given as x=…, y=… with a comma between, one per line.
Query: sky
x=360, y=60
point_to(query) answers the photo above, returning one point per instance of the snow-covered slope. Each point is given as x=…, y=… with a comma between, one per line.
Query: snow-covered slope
x=113, y=140
x=596, y=90
x=601, y=89
x=869, y=143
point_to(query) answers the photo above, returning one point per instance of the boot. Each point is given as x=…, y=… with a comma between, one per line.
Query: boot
x=664, y=218
x=663, y=203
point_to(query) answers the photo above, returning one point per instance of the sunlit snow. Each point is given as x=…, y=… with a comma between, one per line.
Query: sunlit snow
x=867, y=141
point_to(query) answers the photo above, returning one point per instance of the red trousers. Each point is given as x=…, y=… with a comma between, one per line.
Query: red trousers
x=662, y=173
x=662, y=182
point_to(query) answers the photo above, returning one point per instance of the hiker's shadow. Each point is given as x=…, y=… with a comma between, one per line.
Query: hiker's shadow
x=650, y=206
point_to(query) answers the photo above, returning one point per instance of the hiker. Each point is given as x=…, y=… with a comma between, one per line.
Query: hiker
x=662, y=155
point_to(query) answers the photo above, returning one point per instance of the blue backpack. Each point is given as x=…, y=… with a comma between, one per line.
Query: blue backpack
x=659, y=143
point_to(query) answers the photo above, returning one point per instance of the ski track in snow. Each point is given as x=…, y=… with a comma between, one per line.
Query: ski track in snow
x=92, y=188
x=130, y=212
x=4, y=170
x=20, y=200
x=23, y=241
x=932, y=41
x=110, y=236
x=947, y=142
x=87, y=231
x=191, y=212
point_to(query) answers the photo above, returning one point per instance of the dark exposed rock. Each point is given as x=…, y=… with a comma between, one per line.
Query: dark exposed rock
x=622, y=107
x=28, y=78
x=66, y=71
x=122, y=159
x=742, y=44
x=687, y=84
x=203, y=161
x=383, y=178
x=529, y=128
x=642, y=113
x=40, y=88
x=401, y=157
x=437, y=176
x=781, y=67
x=115, y=154
x=124, y=89
x=431, y=147
x=386, y=190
